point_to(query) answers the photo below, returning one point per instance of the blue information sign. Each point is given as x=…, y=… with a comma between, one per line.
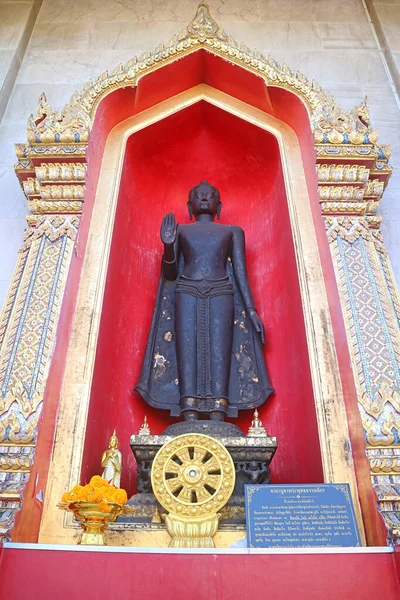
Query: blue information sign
x=300, y=516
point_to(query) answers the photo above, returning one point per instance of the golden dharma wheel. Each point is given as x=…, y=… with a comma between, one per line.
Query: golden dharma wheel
x=193, y=475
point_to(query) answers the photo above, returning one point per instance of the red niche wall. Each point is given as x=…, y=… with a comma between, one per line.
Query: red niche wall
x=162, y=162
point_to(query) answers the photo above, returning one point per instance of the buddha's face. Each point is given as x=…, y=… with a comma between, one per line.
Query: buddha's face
x=204, y=199
x=113, y=442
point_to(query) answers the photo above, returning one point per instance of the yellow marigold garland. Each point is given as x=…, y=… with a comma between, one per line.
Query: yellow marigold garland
x=98, y=490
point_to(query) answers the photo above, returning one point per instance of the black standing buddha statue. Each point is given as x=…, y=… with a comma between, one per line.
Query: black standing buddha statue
x=204, y=352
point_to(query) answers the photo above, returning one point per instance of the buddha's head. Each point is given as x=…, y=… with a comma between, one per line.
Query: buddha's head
x=113, y=443
x=204, y=199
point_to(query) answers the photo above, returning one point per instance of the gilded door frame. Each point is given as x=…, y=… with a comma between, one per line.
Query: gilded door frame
x=338, y=467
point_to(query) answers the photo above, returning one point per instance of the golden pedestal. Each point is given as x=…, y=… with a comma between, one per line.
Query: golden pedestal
x=94, y=521
x=191, y=533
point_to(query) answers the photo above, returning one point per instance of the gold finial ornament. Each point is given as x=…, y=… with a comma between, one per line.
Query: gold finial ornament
x=111, y=461
x=144, y=428
x=257, y=428
x=193, y=477
x=203, y=27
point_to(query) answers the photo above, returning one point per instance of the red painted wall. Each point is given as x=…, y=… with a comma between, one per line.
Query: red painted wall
x=162, y=163
x=57, y=575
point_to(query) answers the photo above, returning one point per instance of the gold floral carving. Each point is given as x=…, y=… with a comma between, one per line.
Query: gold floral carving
x=384, y=460
x=329, y=151
x=17, y=464
x=56, y=189
x=349, y=208
x=334, y=173
x=374, y=188
x=18, y=433
x=374, y=222
x=335, y=126
x=348, y=190
x=60, y=172
x=62, y=192
x=46, y=252
x=203, y=27
x=327, y=117
x=49, y=125
x=43, y=264
x=382, y=169
x=31, y=187
x=40, y=207
x=343, y=193
x=385, y=403
x=18, y=395
x=347, y=228
x=8, y=508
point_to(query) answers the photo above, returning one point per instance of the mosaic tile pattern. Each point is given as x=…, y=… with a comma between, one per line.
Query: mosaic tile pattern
x=370, y=303
x=28, y=326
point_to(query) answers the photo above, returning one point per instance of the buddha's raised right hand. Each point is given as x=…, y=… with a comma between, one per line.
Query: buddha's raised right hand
x=168, y=229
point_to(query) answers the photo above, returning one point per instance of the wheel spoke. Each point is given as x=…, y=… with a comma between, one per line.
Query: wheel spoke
x=185, y=494
x=199, y=454
x=183, y=455
x=202, y=494
x=173, y=485
x=213, y=481
x=212, y=465
x=172, y=467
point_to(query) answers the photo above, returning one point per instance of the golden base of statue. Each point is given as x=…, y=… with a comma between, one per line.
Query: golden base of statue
x=192, y=533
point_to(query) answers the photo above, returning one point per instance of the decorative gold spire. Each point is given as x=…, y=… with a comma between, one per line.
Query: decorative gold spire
x=144, y=429
x=203, y=27
x=256, y=428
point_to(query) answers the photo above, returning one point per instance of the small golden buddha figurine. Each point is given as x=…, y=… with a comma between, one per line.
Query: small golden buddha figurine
x=111, y=461
x=144, y=429
x=256, y=428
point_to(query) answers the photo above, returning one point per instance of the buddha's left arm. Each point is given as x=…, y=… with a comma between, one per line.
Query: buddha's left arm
x=238, y=256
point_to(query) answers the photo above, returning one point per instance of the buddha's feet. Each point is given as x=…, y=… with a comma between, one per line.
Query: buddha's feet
x=190, y=415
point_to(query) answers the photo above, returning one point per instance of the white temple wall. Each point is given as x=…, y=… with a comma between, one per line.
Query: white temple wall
x=72, y=41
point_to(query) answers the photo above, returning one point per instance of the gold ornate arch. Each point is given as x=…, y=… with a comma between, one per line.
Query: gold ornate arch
x=339, y=135
x=75, y=396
